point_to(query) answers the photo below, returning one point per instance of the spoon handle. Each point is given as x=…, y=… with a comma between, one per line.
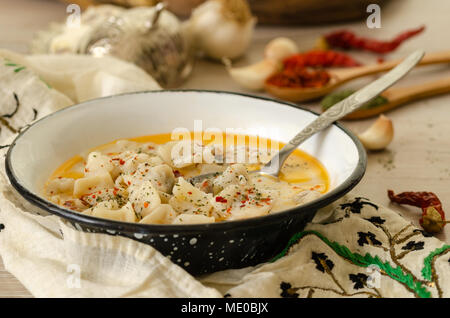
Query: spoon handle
x=398, y=96
x=347, y=74
x=341, y=109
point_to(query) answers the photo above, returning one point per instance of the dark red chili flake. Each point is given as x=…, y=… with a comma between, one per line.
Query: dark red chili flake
x=346, y=39
x=177, y=173
x=122, y=162
x=221, y=200
x=433, y=216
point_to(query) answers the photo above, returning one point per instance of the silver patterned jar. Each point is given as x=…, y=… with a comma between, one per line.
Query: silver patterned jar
x=152, y=38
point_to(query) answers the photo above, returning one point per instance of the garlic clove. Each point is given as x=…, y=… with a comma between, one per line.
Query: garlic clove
x=253, y=76
x=379, y=135
x=280, y=48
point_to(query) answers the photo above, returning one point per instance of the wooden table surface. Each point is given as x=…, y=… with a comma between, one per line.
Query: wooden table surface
x=418, y=158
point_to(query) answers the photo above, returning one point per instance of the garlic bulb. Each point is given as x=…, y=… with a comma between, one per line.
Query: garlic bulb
x=379, y=135
x=222, y=28
x=253, y=76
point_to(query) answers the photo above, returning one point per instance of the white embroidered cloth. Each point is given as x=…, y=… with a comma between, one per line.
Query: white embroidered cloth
x=353, y=248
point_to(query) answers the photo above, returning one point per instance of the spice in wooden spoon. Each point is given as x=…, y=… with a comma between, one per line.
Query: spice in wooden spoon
x=337, y=77
x=391, y=98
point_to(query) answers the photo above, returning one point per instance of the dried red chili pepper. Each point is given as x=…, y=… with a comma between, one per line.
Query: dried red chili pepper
x=299, y=77
x=433, y=216
x=346, y=39
x=320, y=58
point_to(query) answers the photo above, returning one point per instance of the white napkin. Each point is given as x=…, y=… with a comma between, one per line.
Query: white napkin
x=353, y=248
x=83, y=77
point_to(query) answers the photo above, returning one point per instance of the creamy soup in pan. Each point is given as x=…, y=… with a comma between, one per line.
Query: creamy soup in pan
x=146, y=180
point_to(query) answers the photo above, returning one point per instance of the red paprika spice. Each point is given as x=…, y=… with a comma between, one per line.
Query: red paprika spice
x=297, y=70
x=433, y=216
x=346, y=39
x=320, y=58
x=299, y=77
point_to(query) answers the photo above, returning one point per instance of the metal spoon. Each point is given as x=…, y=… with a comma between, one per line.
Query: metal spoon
x=334, y=113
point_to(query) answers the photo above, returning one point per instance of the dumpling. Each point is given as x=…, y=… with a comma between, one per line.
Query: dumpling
x=235, y=174
x=224, y=200
x=98, y=163
x=249, y=211
x=163, y=214
x=188, y=199
x=60, y=185
x=109, y=210
x=181, y=154
x=102, y=180
x=117, y=194
x=192, y=219
x=144, y=197
x=128, y=161
x=160, y=176
x=306, y=196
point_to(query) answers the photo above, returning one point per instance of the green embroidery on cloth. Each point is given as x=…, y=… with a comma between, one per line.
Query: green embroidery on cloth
x=18, y=67
x=427, y=268
x=363, y=261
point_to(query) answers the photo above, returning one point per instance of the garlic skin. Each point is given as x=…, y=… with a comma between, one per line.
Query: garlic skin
x=253, y=76
x=280, y=48
x=379, y=135
x=222, y=28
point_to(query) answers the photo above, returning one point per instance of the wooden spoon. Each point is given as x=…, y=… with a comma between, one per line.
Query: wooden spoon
x=343, y=75
x=401, y=95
